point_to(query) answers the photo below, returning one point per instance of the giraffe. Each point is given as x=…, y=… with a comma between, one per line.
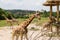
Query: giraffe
x=49, y=23
x=13, y=19
x=8, y=20
x=21, y=30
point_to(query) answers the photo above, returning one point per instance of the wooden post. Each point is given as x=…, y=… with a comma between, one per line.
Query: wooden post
x=57, y=12
x=51, y=16
x=50, y=10
x=57, y=18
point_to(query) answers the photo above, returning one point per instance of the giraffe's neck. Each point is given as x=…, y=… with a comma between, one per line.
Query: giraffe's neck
x=28, y=21
x=11, y=16
x=6, y=17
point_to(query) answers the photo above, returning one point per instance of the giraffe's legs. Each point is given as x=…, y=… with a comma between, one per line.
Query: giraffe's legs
x=26, y=36
x=17, y=22
x=17, y=37
x=21, y=36
x=13, y=35
x=11, y=25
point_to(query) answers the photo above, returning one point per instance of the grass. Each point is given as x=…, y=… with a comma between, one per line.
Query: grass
x=4, y=23
x=39, y=22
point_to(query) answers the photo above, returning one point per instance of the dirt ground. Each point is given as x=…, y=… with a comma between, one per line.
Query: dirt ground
x=6, y=32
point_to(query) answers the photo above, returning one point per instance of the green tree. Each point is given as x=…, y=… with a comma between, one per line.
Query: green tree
x=1, y=12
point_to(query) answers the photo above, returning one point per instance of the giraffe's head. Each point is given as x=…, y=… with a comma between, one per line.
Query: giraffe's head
x=38, y=15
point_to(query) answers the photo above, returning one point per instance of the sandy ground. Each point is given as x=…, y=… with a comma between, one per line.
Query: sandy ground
x=5, y=34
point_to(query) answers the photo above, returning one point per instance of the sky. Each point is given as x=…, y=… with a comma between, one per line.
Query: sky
x=24, y=4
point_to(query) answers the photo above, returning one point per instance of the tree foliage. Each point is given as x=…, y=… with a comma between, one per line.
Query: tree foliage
x=22, y=13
